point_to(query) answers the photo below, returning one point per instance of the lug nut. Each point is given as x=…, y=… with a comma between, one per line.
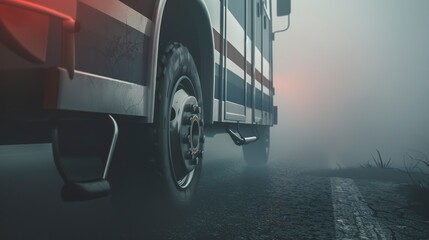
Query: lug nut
x=189, y=155
x=196, y=109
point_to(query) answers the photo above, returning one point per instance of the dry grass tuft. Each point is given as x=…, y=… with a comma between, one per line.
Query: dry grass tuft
x=417, y=167
x=379, y=162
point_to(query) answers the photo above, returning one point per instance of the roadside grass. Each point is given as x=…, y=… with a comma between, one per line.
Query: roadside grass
x=379, y=162
x=416, y=165
x=417, y=162
x=416, y=169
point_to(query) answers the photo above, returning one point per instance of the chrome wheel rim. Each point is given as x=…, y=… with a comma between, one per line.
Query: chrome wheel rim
x=185, y=132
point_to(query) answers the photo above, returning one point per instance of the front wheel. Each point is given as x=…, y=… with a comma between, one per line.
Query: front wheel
x=179, y=132
x=257, y=153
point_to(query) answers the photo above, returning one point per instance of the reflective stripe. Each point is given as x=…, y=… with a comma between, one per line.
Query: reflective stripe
x=238, y=59
x=235, y=33
x=216, y=55
x=122, y=13
x=235, y=69
x=214, y=8
x=266, y=68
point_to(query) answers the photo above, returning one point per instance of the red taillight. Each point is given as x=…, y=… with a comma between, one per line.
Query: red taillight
x=24, y=27
x=25, y=32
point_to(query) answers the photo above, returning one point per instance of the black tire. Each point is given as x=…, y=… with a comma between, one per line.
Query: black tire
x=257, y=153
x=178, y=126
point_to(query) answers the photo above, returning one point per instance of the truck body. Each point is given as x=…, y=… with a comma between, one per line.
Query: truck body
x=109, y=58
x=115, y=54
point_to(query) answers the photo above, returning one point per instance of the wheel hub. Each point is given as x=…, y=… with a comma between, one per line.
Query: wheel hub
x=191, y=132
x=194, y=134
x=186, y=136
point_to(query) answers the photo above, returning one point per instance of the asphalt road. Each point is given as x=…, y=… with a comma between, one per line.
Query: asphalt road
x=234, y=201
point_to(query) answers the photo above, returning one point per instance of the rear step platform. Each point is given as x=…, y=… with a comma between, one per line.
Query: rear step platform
x=64, y=147
x=82, y=191
x=238, y=138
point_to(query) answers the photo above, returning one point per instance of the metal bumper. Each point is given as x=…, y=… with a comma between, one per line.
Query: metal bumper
x=36, y=90
x=25, y=28
x=37, y=67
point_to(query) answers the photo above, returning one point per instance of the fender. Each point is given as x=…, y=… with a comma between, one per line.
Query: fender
x=204, y=60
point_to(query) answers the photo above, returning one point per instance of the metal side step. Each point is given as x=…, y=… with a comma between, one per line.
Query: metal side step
x=238, y=138
x=85, y=190
x=82, y=191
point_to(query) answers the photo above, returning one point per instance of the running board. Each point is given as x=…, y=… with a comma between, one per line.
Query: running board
x=238, y=138
x=86, y=190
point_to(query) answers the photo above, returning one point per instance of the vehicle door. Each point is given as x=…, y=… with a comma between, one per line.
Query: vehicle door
x=235, y=76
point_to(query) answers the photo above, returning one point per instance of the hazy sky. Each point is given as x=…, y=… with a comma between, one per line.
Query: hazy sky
x=352, y=76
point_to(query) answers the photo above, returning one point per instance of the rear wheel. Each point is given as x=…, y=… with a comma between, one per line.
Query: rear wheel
x=257, y=153
x=178, y=128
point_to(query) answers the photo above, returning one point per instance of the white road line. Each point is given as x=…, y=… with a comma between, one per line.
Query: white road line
x=353, y=218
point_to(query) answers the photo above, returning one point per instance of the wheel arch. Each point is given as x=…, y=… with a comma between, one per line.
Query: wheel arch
x=187, y=22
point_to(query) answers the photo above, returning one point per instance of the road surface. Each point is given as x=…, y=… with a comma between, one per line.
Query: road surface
x=279, y=201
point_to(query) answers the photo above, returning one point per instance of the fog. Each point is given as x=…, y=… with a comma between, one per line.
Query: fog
x=352, y=76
